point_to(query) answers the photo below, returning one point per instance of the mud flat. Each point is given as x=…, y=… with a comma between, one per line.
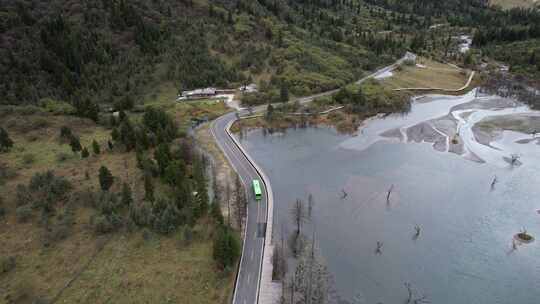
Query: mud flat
x=473, y=125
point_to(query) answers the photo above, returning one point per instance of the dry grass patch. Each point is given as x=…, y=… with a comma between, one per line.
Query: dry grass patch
x=152, y=269
x=508, y=4
x=427, y=74
x=129, y=269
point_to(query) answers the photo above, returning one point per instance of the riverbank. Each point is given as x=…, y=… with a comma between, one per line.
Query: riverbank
x=345, y=110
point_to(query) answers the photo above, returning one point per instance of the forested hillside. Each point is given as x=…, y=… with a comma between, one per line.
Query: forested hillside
x=113, y=52
x=110, y=52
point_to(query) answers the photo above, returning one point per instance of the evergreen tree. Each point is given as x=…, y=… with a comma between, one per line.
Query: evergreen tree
x=148, y=188
x=174, y=173
x=215, y=211
x=75, y=144
x=127, y=196
x=96, y=147
x=163, y=157
x=284, y=93
x=201, y=207
x=127, y=134
x=115, y=134
x=105, y=178
x=5, y=142
x=226, y=248
x=65, y=132
x=85, y=153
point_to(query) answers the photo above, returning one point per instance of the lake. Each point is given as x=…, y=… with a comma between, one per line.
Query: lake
x=464, y=251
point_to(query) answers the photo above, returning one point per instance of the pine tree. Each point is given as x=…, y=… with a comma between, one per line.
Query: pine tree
x=148, y=188
x=127, y=196
x=65, y=132
x=202, y=192
x=284, y=93
x=163, y=157
x=85, y=153
x=96, y=147
x=5, y=142
x=226, y=248
x=75, y=144
x=105, y=178
x=216, y=213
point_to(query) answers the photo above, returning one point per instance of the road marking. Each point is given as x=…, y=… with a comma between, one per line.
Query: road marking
x=251, y=258
x=249, y=277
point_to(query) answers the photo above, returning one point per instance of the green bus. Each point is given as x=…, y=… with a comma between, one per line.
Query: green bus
x=257, y=189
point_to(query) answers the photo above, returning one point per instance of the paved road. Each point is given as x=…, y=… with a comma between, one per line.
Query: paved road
x=247, y=283
x=248, y=280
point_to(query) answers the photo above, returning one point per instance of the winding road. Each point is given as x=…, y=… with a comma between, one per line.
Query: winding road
x=248, y=281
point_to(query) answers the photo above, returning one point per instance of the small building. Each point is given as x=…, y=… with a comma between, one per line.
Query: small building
x=251, y=88
x=199, y=93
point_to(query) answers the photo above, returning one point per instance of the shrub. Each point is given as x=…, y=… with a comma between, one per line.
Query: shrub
x=57, y=107
x=85, y=198
x=55, y=234
x=95, y=147
x=75, y=144
x=409, y=62
x=7, y=264
x=108, y=203
x=102, y=224
x=39, y=123
x=127, y=196
x=22, y=195
x=28, y=159
x=63, y=156
x=6, y=173
x=166, y=220
x=48, y=182
x=335, y=116
x=141, y=214
x=23, y=213
x=188, y=235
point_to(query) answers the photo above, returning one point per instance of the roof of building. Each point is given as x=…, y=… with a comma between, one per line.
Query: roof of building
x=206, y=91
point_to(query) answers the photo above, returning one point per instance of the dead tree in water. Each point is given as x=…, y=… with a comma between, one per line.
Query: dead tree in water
x=389, y=193
x=310, y=204
x=298, y=213
x=493, y=183
x=514, y=159
x=379, y=248
x=412, y=298
x=417, y=230
x=343, y=194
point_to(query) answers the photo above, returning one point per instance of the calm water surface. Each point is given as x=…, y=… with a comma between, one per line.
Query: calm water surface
x=463, y=254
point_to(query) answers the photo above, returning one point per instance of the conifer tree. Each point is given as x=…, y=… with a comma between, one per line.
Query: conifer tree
x=105, y=178
x=5, y=141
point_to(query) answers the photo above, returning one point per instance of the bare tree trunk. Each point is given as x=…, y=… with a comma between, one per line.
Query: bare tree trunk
x=389, y=193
